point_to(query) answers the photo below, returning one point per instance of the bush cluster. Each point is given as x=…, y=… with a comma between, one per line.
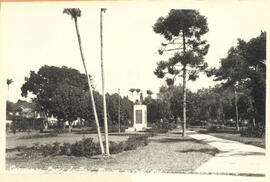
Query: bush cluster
x=251, y=131
x=111, y=128
x=162, y=127
x=85, y=148
x=115, y=128
x=24, y=124
x=212, y=128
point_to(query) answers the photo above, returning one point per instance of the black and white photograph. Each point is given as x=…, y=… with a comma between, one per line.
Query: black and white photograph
x=173, y=90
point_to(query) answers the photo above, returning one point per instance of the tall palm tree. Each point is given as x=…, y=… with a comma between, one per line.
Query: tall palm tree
x=132, y=90
x=75, y=13
x=149, y=93
x=103, y=84
x=9, y=81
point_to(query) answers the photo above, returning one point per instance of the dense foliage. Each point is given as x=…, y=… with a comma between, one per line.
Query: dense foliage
x=63, y=92
x=244, y=70
x=26, y=124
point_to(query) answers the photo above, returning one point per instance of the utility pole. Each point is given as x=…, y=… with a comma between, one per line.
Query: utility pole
x=119, y=129
x=103, y=85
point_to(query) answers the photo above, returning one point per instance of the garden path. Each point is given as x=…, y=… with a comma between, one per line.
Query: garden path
x=234, y=157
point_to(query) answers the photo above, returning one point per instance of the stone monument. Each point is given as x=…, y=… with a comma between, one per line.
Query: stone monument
x=139, y=116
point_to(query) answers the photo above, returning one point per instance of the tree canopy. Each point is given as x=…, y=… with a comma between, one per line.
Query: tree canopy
x=46, y=80
x=245, y=67
x=182, y=30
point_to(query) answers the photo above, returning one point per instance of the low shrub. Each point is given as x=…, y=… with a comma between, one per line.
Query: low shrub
x=136, y=141
x=162, y=127
x=49, y=149
x=59, y=130
x=212, y=128
x=251, y=131
x=85, y=147
x=65, y=149
x=169, y=125
x=116, y=148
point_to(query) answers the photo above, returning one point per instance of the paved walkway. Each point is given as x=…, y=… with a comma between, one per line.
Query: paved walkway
x=234, y=157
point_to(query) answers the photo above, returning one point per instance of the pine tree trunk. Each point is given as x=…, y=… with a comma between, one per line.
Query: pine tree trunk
x=184, y=101
x=184, y=90
x=236, y=109
x=103, y=87
x=90, y=90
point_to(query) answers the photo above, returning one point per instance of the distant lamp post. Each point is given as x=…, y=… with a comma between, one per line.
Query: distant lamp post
x=119, y=129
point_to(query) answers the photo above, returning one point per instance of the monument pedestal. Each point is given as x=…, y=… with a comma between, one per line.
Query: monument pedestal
x=139, y=118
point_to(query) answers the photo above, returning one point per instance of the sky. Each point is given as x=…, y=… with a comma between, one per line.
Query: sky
x=35, y=34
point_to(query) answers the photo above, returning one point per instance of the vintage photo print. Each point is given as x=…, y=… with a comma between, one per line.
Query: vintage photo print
x=135, y=90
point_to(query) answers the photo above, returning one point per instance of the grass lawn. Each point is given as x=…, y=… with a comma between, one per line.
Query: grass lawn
x=165, y=153
x=14, y=140
x=232, y=134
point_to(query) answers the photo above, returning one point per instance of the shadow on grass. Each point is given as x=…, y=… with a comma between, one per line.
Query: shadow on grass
x=203, y=150
x=225, y=131
x=176, y=140
x=247, y=154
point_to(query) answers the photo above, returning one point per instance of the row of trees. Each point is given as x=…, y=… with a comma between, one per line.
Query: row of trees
x=240, y=96
x=242, y=72
x=206, y=106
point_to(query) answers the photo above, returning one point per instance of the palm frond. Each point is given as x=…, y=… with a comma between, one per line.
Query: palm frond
x=73, y=12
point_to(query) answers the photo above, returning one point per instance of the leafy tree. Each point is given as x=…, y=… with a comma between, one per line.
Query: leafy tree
x=155, y=110
x=149, y=93
x=245, y=66
x=67, y=101
x=45, y=81
x=182, y=30
x=126, y=109
x=75, y=13
x=112, y=107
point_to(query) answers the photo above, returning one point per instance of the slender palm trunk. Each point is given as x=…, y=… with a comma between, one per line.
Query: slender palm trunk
x=90, y=89
x=184, y=90
x=236, y=109
x=103, y=86
x=8, y=93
